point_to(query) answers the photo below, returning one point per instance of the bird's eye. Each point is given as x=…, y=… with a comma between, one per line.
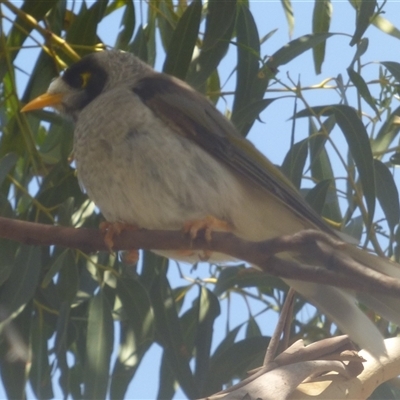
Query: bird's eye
x=85, y=76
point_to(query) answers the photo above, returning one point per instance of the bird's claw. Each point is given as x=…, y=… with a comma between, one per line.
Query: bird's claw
x=208, y=224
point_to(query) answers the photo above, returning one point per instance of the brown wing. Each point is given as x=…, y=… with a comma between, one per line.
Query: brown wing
x=194, y=117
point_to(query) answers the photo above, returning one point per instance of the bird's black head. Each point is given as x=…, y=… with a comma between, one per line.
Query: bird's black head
x=80, y=84
x=88, y=77
x=85, y=80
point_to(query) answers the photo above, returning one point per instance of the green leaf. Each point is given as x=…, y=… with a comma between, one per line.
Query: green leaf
x=296, y=47
x=21, y=29
x=362, y=47
x=385, y=26
x=55, y=267
x=249, y=113
x=21, y=284
x=137, y=307
x=166, y=20
x=55, y=18
x=321, y=168
x=248, y=49
x=253, y=330
x=60, y=346
x=288, y=10
x=386, y=391
x=321, y=21
x=6, y=164
x=355, y=228
x=39, y=374
x=366, y=11
x=362, y=88
x=294, y=162
x=387, y=133
x=237, y=360
x=127, y=362
x=83, y=29
x=128, y=22
x=220, y=16
x=68, y=279
x=393, y=68
x=139, y=45
x=13, y=369
x=359, y=146
x=213, y=87
x=8, y=249
x=42, y=74
x=170, y=335
x=316, y=197
x=247, y=74
x=180, y=50
x=387, y=193
x=99, y=345
x=208, y=310
x=168, y=383
x=245, y=277
x=220, y=22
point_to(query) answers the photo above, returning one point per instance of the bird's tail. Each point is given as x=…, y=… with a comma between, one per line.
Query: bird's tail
x=341, y=307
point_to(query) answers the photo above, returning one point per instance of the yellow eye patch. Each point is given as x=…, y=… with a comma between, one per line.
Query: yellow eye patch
x=85, y=78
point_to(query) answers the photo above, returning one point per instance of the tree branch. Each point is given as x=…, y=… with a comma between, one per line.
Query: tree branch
x=337, y=268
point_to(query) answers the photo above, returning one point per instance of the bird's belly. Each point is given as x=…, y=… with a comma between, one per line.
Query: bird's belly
x=157, y=181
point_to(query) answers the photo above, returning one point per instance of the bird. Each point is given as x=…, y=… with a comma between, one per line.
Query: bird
x=152, y=152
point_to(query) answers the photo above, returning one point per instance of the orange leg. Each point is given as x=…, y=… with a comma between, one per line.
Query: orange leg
x=208, y=224
x=111, y=229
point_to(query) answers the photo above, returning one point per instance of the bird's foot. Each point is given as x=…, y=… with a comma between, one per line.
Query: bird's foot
x=208, y=224
x=111, y=229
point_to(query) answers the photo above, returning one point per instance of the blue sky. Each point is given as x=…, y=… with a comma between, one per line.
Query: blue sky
x=273, y=136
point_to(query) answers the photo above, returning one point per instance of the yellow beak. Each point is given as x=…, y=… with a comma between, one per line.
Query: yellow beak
x=45, y=100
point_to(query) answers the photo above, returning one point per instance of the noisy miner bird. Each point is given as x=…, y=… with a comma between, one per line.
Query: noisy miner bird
x=152, y=152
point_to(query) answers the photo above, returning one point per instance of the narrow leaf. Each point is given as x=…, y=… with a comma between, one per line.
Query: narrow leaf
x=387, y=133
x=249, y=113
x=128, y=23
x=127, y=362
x=316, y=197
x=208, y=309
x=366, y=11
x=83, y=29
x=321, y=21
x=21, y=285
x=237, y=360
x=362, y=47
x=216, y=41
x=359, y=146
x=288, y=10
x=6, y=164
x=394, y=68
x=248, y=50
x=386, y=26
x=139, y=45
x=167, y=20
x=321, y=168
x=100, y=332
x=170, y=334
x=362, y=88
x=137, y=307
x=294, y=162
x=220, y=16
x=295, y=48
x=40, y=370
x=180, y=50
x=387, y=193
